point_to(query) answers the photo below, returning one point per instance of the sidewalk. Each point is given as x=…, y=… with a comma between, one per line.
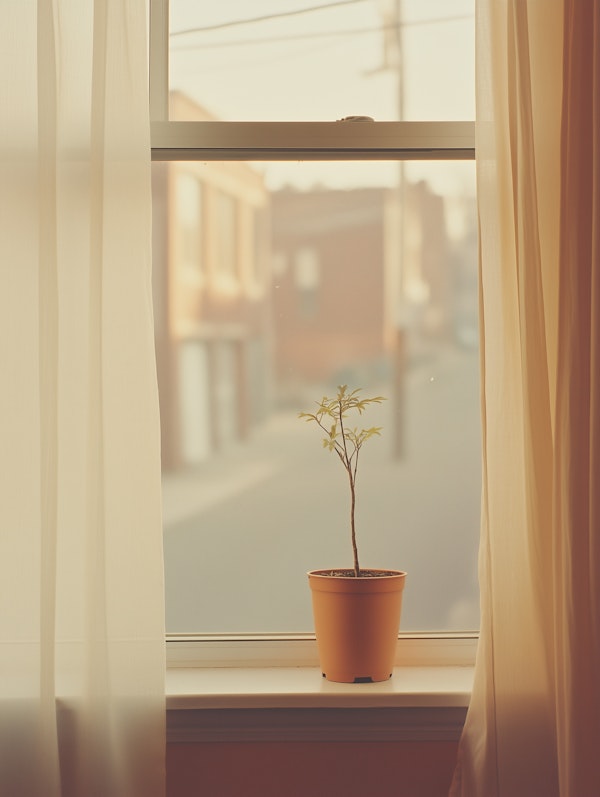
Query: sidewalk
x=188, y=493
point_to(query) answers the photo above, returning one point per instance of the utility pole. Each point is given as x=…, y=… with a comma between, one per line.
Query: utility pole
x=400, y=347
x=394, y=60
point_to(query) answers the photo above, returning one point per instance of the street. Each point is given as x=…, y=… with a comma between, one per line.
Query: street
x=241, y=531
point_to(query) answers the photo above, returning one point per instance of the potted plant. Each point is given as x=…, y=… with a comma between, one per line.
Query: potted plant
x=356, y=611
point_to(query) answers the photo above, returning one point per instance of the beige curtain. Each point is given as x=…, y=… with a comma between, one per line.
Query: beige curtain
x=81, y=588
x=533, y=726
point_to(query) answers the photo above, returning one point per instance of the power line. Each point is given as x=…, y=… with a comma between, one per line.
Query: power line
x=322, y=34
x=266, y=17
x=291, y=37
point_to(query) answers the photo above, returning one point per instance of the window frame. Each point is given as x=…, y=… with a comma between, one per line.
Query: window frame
x=352, y=140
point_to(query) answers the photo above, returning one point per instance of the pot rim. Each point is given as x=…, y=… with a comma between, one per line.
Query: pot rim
x=329, y=573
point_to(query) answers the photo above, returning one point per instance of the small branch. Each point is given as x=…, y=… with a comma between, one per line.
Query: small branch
x=342, y=430
x=355, y=466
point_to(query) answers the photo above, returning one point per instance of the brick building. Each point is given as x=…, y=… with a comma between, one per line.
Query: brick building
x=348, y=273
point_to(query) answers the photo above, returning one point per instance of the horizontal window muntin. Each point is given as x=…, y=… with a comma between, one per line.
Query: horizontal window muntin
x=313, y=140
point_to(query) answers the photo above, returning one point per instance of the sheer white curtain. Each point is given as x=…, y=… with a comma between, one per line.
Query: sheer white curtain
x=533, y=727
x=81, y=584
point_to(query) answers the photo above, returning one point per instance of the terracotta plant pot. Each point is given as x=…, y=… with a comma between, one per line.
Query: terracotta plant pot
x=356, y=623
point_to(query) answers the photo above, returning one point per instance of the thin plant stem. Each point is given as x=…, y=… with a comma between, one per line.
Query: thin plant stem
x=347, y=460
x=352, y=523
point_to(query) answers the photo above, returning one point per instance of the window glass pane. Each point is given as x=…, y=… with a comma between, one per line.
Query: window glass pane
x=388, y=59
x=346, y=275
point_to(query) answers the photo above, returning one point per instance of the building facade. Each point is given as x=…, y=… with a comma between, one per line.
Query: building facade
x=211, y=301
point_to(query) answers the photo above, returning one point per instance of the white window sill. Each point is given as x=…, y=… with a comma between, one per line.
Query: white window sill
x=297, y=704
x=305, y=687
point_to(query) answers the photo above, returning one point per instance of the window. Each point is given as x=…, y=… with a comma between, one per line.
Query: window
x=353, y=245
x=226, y=238
x=187, y=211
x=307, y=281
x=259, y=252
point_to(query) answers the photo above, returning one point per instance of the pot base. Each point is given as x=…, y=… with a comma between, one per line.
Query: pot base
x=366, y=679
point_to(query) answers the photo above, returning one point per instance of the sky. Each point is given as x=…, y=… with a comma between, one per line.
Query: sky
x=321, y=60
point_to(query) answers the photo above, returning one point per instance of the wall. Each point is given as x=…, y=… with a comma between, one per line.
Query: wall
x=310, y=769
